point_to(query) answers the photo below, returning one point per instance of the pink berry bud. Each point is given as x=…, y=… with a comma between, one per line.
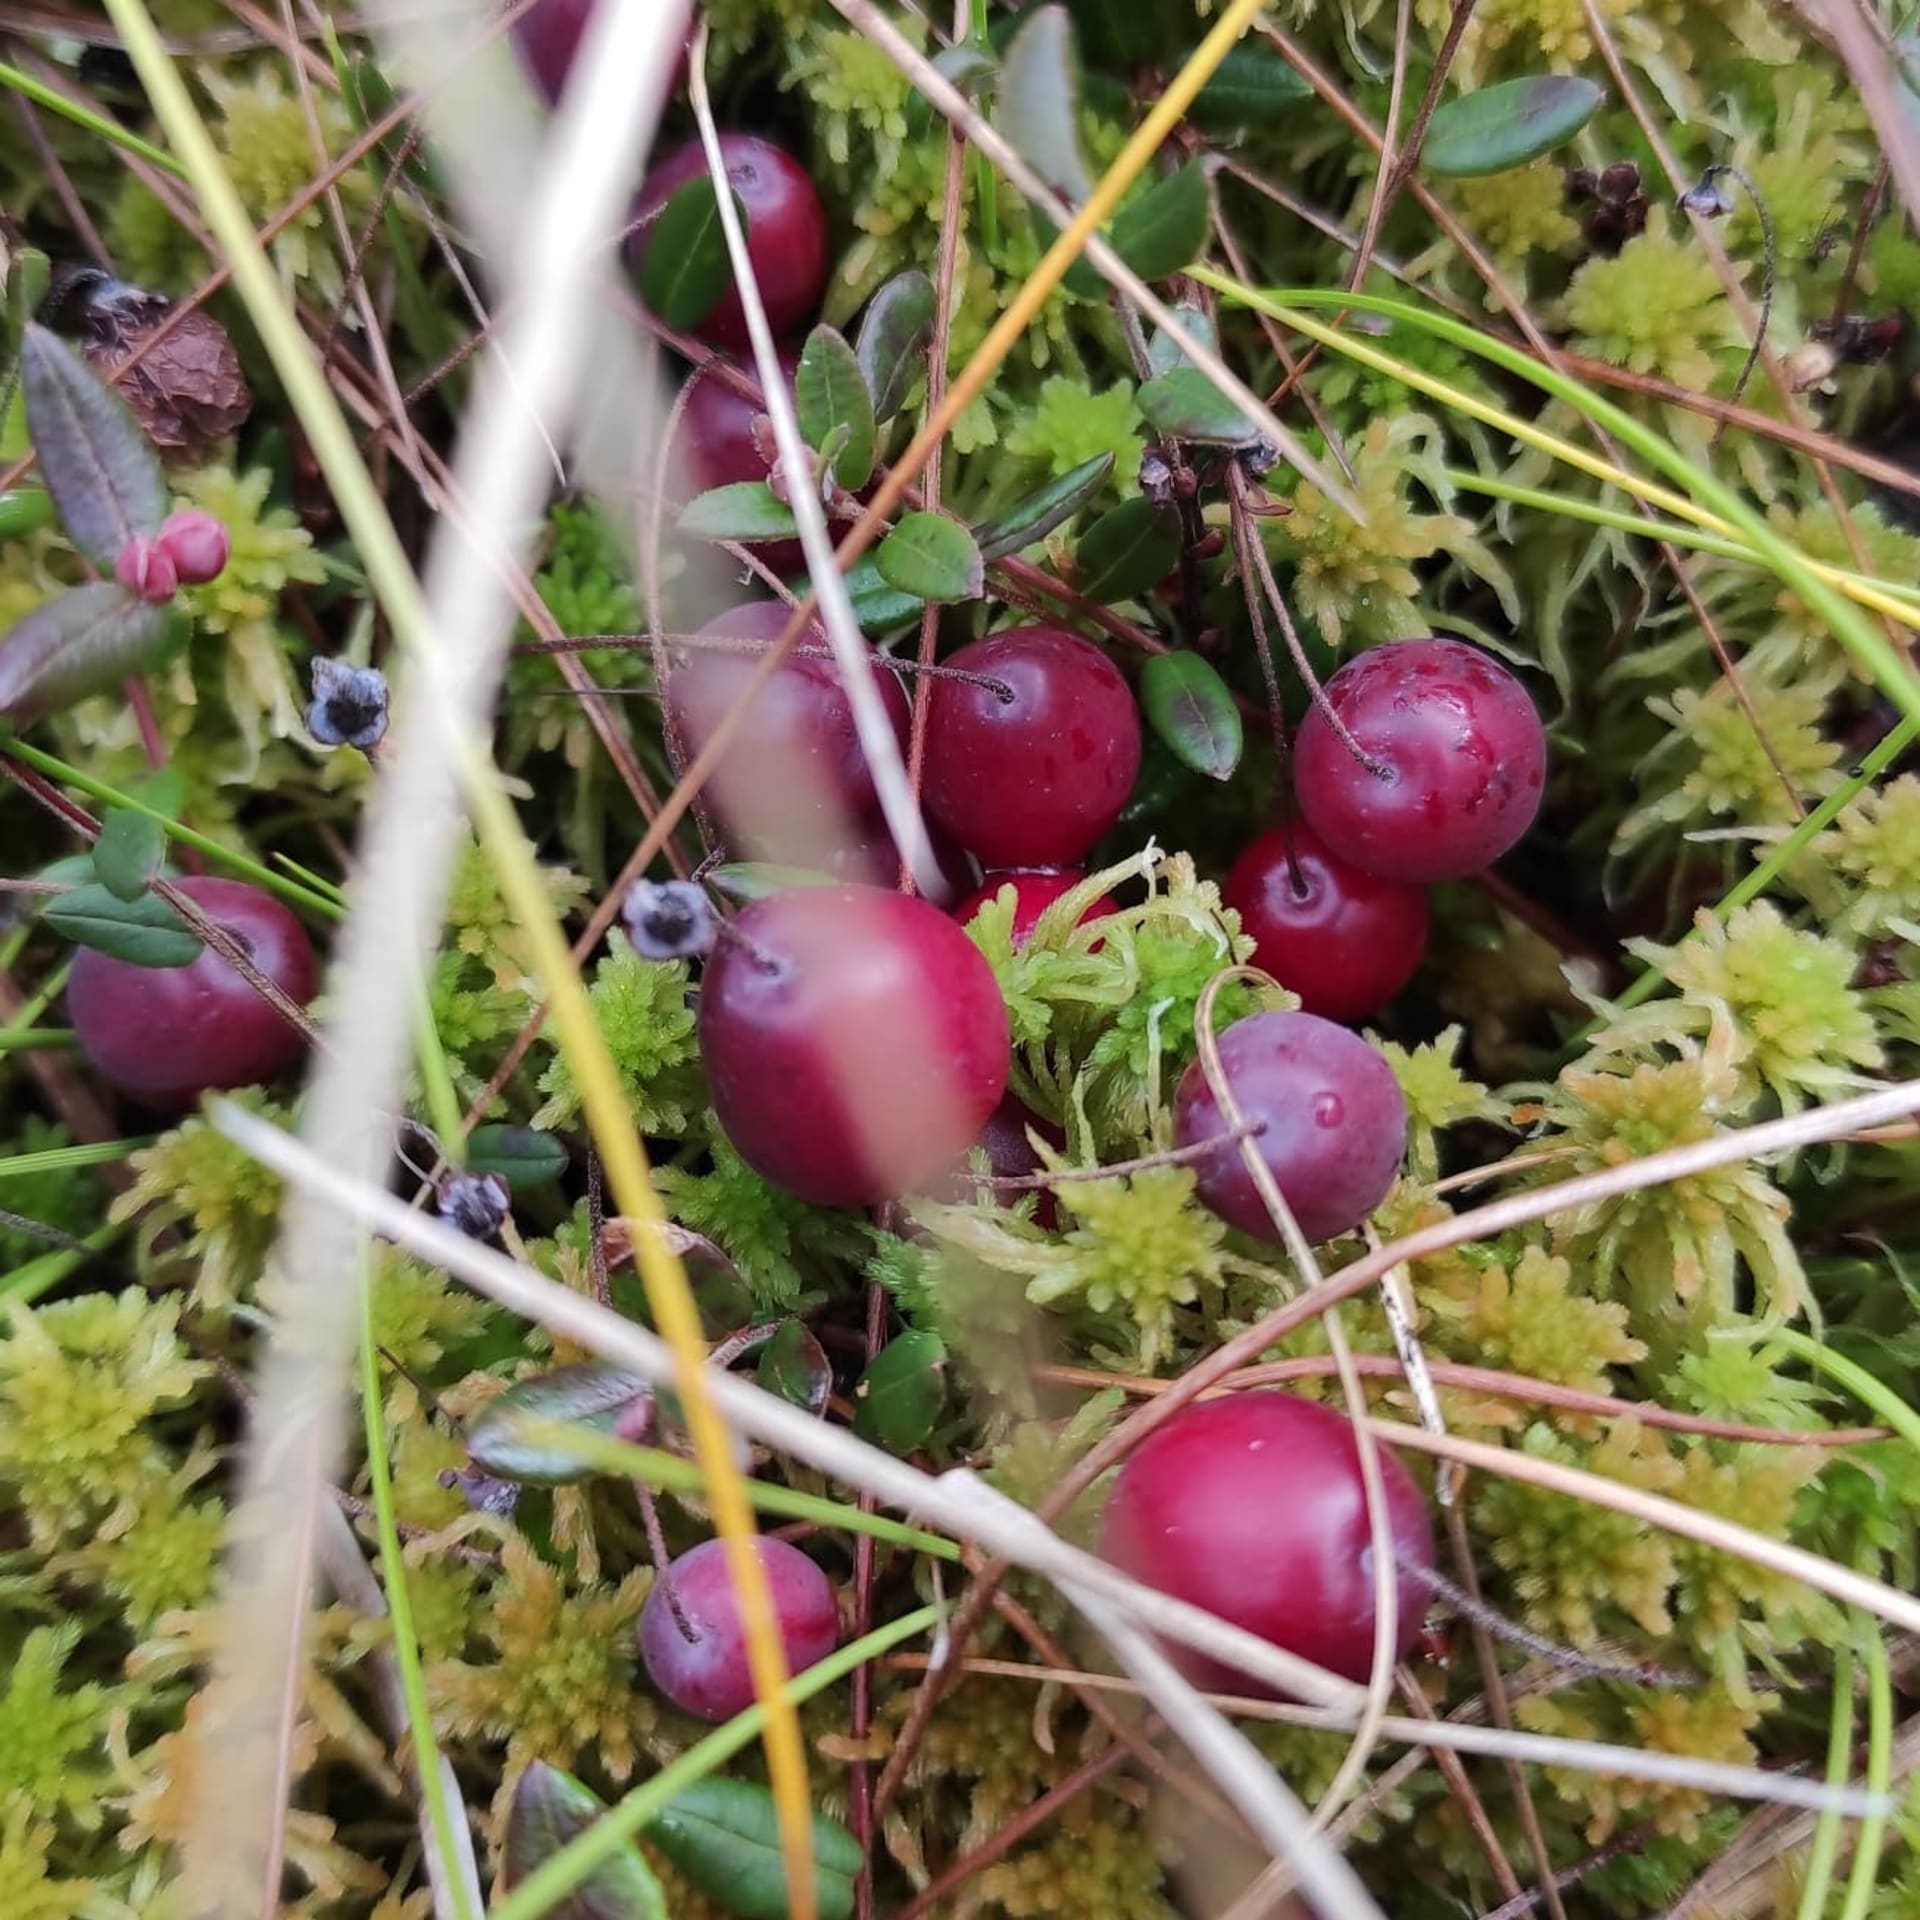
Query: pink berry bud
x=197, y=544
x=146, y=568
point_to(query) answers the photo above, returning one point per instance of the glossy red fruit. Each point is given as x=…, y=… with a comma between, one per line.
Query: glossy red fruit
x=1345, y=941
x=854, y=1041
x=1034, y=891
x=1253, y=1508
x=1034, y=779
x=548, y=35
x=794, y=770
x=166, y=1035
x=718, y=446
x=1463, y=752
x=786, y=231
x=1335, y=1124
x=870, y=857
x=710, y=1677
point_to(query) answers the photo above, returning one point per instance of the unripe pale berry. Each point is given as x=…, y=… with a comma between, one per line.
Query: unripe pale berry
x=197, y=544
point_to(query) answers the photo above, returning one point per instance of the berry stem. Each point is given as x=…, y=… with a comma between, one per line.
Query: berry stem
x=1123, y=1169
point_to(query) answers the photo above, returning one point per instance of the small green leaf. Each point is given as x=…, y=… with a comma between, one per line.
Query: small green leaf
x=1253, y=85
x=685, y=269
x=747, y=511
x=128, y=852
x=1037, y=103
x=1082, y=279
x=145, y=932
x=524, y=1157
x=1163, y=356
x=724, y=1836
x=82, y=641
x=879, y=607
x=933, y=558
x=900, y=1396
x=793, y=1365
x=1189, y=706
x=761, y=879
x=1186, y=405
x=1506, y=125
x=830, y=395
x=1039, y=513
x=1125, y=33
x=551, y=1808
x=507, y=1438
x=1126, y=552
x=24, y=510
x=1166, y=229
x=894, y=334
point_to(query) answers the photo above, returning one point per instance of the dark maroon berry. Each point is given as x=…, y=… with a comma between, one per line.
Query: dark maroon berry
x=197, y=544
x=709, y=1676
x=166, y=1035
x=146, y=569
x=786, y=232
x=724, y=440
x=476, y=1204
x=870, y=857
x=548, y=35
x=1461, y=753
x=1253, y=1508
x=1035, y=777
x=1335, y=1124
x=1035, y=889
x=1010, y=1156
x=1345, y=941
x=854, y=1042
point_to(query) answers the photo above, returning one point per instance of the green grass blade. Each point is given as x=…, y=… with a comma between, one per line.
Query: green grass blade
x=1826, y=1834
x=1864, y=1874
x=110, y=131
x=63, y=1159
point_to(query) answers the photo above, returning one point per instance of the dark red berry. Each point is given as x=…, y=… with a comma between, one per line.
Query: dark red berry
x=1010, y=1156
x=1461, y=752
x=1035, y=889
x=1034, y=779
x=1345, y=941
x=794, y=771
x=1253, y=1508
x=197, y=544
x=870, y=857
x=854, y=1042
x=166, y=1035
x=786, y=232
x=710, y=1676
x=548, y=35
x=1334, y=1117
x=721, y=448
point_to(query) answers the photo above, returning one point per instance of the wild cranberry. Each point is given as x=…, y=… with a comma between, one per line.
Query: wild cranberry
x=1031, y=777
x=166, y=1035
x=794, y=770
x=197, y=544
x=1035, y=889
x=1461, y=758
x=870, y=856
x=548, y=35
x=1010, y=1156
x=854, y=1042
x=1345, y=941
x=709, y=1676
x=786, y=231
x=1334, y=1124
x=718, y=442
x=1253, y=1508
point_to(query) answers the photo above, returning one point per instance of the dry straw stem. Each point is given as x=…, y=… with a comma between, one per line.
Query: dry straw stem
x=962, y=1505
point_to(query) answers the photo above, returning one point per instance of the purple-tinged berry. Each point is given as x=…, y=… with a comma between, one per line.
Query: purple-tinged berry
x=669, y=920
x=349, y=705
x=146, y=569
x=197, y=544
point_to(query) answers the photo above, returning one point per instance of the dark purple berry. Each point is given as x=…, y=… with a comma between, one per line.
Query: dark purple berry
x=476, y=1204
x=548, y=35
x=725, y=440
x=669, y=920
x=349, y=705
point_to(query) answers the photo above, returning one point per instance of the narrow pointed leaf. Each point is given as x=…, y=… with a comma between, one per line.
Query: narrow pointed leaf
x=509, y=1437
x=932, y=557
x=1506, y=125
x=747, y=511
x=551, y=1808
x=128, y=853
x=1126, y=552
x=893, y=336
x=830, y=394
x=79, y=642
x=1163, y=356
x=762, y=879
x=1166, y=229
x=1250, y=87
x=1186, y=405
x=1037, y=104
x=100, y=468
x=724, y=1836
x=1189, y=706
x=1039, y=513
x=794, y=1366
x=524, y=1157
x=684, y=267
x=900, y=1396
x=145, y=932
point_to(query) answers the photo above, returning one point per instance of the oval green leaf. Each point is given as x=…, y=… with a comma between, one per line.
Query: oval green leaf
x=550, y=1809
x=510, y=1437
x=932, y=558
x=82, y=641
x=1037, y=103
x=144, y=932
x=724, y=1836
x=1190, y=707
x=1186, y=405
x=1163, y=356
x=1039, y=513
x=524, y=1157
x=1126, y=552
x=747, y=511
x=793, y=1366
x=1250, y=87
x=880, y=607
x=894, y=334
x=128, y=852
x=1506, y=125
x=684, y=268
x=900, y=1396
x=1166, y=229
x=836, y=410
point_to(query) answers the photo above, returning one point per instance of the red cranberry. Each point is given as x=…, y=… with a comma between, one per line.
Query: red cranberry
x=166, y=1035
x=1253, y=1508
x=1034, y=891
x=870, y=857
x=1345, y=941
x=1335, y=1124
x=710, y=1676
x=1463, y=754
x=1035, y=780
x=548, y=35
x=854, y=1042
x=717, y=440
x=197, y=544
x=1010, y=1156
x=786, y=231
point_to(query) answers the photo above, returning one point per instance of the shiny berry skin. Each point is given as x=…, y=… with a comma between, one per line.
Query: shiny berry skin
x=1345, y=941
x=716, y=439
x=854, y=1040
x=1464, y=752
x=786, y=232
x=1035, y=780
x=166, y=1035
x=710, y=1677
x=1034, y=891
x=549, y=35
x=1336, y=1124
x=869, y=856
x=1253, y=1507
x=197, y=544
